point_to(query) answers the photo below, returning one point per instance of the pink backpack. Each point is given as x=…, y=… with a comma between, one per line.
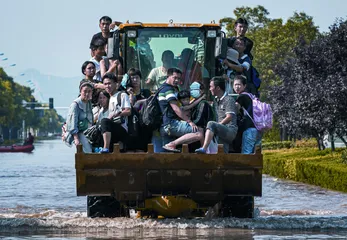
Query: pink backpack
x=262, y=113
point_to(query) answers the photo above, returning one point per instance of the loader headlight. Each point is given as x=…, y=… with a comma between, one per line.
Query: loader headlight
x=132, y=34
x=211, y=33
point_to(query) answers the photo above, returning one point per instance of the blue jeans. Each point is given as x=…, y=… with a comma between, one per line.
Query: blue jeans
x=157, y=142
x=250, y=138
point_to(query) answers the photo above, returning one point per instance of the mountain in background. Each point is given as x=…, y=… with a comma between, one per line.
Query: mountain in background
x=63, y=90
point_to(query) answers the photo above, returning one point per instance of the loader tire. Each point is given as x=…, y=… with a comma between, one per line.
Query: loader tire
x=105, y=206
x=238, y=206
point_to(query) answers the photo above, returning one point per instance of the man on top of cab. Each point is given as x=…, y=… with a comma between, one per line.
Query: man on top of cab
x=105, y=24
x=241, y=27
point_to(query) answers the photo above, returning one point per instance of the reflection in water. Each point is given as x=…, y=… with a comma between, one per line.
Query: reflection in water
x=38, y=200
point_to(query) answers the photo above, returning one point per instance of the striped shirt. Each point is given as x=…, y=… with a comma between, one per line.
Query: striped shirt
x=167, y=94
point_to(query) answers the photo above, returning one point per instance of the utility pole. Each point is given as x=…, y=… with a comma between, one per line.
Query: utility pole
x=23, y=127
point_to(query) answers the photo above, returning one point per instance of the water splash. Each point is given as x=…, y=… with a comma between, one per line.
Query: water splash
x=77, y=221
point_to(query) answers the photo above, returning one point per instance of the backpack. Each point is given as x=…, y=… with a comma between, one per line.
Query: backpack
x=133, y=123
x=262, y=113
x=150, y=114
x=133, y=119
x=255, y=77
x=197, y=114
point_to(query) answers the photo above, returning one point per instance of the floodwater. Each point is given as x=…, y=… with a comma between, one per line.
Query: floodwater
x=38, y=201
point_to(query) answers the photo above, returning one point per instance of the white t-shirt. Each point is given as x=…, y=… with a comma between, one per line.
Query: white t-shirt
x=114, y=107
x=102, y=114
x=157, y=76
x=97, y=76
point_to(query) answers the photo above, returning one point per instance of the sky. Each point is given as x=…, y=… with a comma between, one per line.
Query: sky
x=53, y=36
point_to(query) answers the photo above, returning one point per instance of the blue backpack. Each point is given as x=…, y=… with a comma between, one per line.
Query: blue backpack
x=255, y=77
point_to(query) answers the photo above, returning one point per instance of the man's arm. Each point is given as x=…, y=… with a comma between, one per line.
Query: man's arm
x=151, y=76
x=125, y=105
x=235, y=67
x=125, y=112
x=114, y=24
x=178, y=111
x=112, y=68
x=99, y=85
x=182, y=116
x=227, y=119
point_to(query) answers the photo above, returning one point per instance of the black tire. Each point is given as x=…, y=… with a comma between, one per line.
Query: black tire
x=105, y=206
x=239, y=207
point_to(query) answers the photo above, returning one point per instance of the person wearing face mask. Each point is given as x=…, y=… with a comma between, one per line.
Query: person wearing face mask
x=202, y=113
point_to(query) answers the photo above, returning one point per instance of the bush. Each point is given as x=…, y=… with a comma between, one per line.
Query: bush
x=322, y=168
x=277, y=145
x=306, y=143
x=344, y=156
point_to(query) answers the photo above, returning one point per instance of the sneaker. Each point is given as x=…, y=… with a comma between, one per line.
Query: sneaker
x=104, y=150
x=96, y=149
x=200, y=150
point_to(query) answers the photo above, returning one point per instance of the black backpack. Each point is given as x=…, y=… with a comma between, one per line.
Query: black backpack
x=150, y=113
x=133, y=123
x=200, y=116
x=133, y=119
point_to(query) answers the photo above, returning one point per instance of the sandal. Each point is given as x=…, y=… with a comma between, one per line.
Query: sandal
x=171, y=149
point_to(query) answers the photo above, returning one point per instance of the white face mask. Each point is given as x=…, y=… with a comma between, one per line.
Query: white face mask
x=195, y=93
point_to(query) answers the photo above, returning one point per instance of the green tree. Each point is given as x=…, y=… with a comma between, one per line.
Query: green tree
x=51, y=122
x=311, y=98
x=12, y=111
x=273, y=39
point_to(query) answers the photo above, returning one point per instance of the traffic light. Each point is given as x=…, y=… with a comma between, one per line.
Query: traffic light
x=51, y=103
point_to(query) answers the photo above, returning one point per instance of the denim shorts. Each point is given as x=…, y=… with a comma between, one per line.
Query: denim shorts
x=177, y=128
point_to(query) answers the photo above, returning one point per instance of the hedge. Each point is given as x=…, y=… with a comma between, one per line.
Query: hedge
x=308, y=165
x=303, y=143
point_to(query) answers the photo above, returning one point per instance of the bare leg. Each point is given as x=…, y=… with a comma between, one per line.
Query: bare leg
x=107, y=139
x=187, y=139
x=208, y=138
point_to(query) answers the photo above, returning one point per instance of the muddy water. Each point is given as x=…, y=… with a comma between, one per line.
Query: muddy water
x=38, y=201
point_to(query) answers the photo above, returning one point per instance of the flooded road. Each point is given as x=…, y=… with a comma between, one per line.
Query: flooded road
x=38, y=201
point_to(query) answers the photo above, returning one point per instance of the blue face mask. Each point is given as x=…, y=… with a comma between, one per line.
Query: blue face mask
x=195, y=93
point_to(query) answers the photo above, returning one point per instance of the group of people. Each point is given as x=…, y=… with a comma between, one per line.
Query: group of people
x=112, y=101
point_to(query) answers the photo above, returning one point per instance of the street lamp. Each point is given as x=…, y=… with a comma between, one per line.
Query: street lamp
x=11, y=65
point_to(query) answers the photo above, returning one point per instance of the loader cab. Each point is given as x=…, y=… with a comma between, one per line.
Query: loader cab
x=141, y=46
